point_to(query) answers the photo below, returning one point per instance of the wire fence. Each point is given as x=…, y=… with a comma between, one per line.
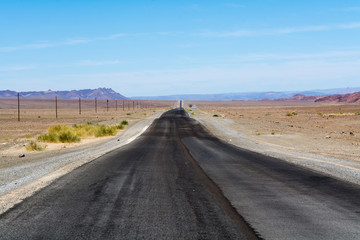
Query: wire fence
x=79, y=106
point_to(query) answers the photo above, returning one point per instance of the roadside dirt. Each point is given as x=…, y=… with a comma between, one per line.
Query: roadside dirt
x=22, y=177
x=326, y=144
x=327, y=130
x=15, y=135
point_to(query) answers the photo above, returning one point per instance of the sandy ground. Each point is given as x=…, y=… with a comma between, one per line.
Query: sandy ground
x=325, y=138
x=22, y=177
x=14, y=135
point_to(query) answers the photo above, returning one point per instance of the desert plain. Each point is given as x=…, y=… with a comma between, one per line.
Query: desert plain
x=331, y=130
x=37, y=115
x=268, y=127
x=319, y=128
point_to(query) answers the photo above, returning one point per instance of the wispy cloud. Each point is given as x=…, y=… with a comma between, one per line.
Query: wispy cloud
x=331, y=55
x=348, y=9
x=280, y=31
x=233, y=5
x=242, y=77
x=195, y=7
x=98, y=63
x=16, y=68
x=70, y=42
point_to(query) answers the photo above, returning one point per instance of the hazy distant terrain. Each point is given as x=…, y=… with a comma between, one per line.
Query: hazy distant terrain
x=332, y=95
x=341, y=98
x=249, y=95
x=99, y=93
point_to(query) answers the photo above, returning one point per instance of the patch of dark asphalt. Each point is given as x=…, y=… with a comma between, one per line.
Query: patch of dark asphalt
x=147, y=189
x=177, y=181
x=217, y=193
x=278, y=199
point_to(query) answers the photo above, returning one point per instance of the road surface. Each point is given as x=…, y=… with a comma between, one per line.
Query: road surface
x=177, y=181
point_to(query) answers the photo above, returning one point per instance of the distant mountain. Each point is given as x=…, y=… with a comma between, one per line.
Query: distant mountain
x=341, y=98
x=220, y=97
x=299, y=97
x=99, y=93
x=249, y=95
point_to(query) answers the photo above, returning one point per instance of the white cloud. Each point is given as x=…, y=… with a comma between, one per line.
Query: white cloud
x=98, y=63
x=233, y=5
x=280, y=31
x=63, y=43
x=348, y=9
x=331, y=55
x=16, y=68
x=242, y=77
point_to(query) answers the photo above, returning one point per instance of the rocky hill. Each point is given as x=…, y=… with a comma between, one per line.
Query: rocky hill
x=99, y=93
x=300, y=97
x=341, y=98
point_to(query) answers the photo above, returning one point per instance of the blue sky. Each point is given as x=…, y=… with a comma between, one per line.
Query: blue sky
x=176, y=47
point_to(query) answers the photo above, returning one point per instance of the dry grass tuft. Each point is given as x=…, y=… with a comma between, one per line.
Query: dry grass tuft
x=34, y=146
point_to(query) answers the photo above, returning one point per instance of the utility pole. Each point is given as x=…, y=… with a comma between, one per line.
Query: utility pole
x=96, y=105
x=56, y=107
x=133, y=105
x=79, y=106
x=107, y=105
x=18, y=107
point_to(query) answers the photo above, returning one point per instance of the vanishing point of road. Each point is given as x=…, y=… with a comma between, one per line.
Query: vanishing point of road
x=177, y=181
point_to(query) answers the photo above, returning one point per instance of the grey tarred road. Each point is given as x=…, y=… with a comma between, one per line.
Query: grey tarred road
x=177, y=181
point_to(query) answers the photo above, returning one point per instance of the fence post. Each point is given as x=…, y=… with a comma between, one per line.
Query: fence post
x=56, y=107
x=79, y=105
x=95, y=105
x=18, y=97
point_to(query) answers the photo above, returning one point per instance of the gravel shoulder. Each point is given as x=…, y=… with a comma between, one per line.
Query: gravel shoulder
x=22, y=177
x=230, y=132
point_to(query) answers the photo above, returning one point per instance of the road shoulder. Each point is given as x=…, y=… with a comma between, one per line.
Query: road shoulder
x=23, y=180
x=222, y=128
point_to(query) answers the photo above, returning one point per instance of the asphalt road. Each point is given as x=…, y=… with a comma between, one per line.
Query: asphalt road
x=177, y=181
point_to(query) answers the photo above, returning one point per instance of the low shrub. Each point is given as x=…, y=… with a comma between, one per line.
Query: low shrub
x=105, y=131
x=34, y=146
x=48, y=137
x=320, y=114
x=216, y=115
x=291, y=114
x=28, y=136
x=68, y=137
x=124, y=122
x=67, y=134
